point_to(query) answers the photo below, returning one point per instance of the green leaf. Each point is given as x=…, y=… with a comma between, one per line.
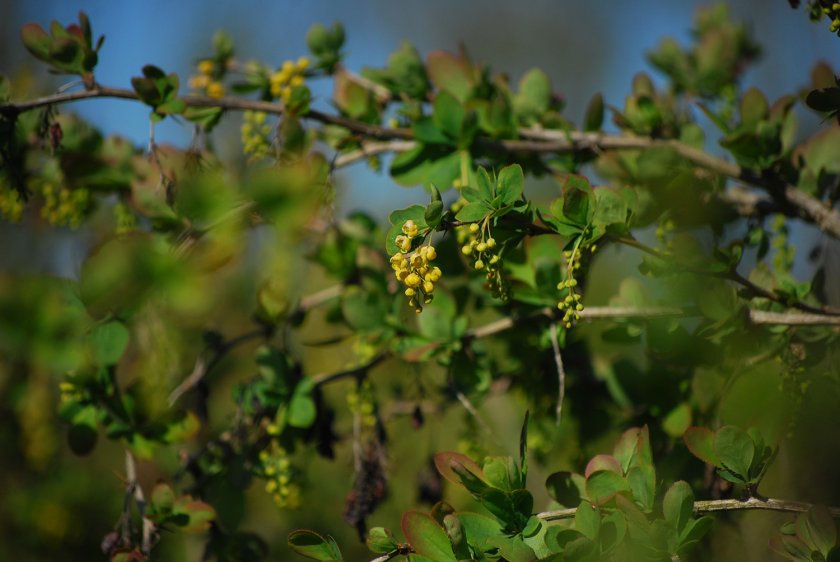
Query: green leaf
x=448, y=114
x=425, y=165
x=162, y=498
x=312, y=545
x=434, y=213
x=566, y=488
x=610, y=207
x=523, y=450
x=451, y=73
x=199, y=514
x=735, y=450
x=363, y=309
x=485, y=185
x=678, y=420
x=82, y=437
x=381, y=540
x=816, y=527
x=36, y=40
x=701, y=442
x=534, y=96
x=577, y=200
x=108, y=342
x=473, y=212
x=601, y=486
x=642, y=482
x=588, y=520
x=301, y=410
x=678, y=504
x=754, y=108
x=510, y=184
x=427, y=537
x=445, y=461
x=594, y=116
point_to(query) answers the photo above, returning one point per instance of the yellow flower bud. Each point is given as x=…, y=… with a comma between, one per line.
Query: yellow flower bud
x=491, y=242
x=412, y=280
x=215, y=89
x=428, y=287
x=431, y=253
x=474, y=227
x=205, y=67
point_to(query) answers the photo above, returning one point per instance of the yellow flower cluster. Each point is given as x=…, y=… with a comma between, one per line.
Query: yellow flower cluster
x=125, y=218
x=569, y=298
x=278, y=471
x=11, y=205
x=205, y=79
x=255, y=134
x=290, y=75
x=362, y=402
x=64, y=207
x=480, y=248
x=413, y=269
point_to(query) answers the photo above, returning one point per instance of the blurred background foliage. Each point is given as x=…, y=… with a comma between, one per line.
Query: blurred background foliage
x=162, y=303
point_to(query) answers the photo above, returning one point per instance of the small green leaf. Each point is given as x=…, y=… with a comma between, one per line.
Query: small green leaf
x=678, y=504
x=434, y=213
x=566, y=488
x=510, y=184
x=577, y=200
x=427, y=537
x=588, y=520
x=735, y=449
x=108, y=342
x=381, y=540
x=163, y=498
x=448, y=115
x=754, y=108
x=473, y=212
x=451, y=73
x=678, y=420
x=312, y=545
x=36, y=40
x=816, y=527
x=701, y=442
x=301, y=411
x=594, y=117
x=82, y=437
x=601, y=486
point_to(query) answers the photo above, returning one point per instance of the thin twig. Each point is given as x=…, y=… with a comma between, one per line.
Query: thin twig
x=561, y=372
x=133, y=487
x=709, y=506
x=471, y=409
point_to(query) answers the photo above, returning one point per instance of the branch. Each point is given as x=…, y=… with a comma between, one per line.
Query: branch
x=536, y=141
x=561, y=372
x=133, y=488
x=708, y=506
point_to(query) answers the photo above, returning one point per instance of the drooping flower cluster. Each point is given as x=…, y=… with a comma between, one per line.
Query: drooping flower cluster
x=11, y=204
x=208, y=79
x=480, y=247
x=569, y=301
x=290, y=75
x=256, y=133
x=413, y=269
x=63, y=206
x=363, y=403
x=276, y=468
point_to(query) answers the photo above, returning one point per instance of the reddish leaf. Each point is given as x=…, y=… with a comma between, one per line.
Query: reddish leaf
x=701, y=442
x=603, y=462
x=427, y=537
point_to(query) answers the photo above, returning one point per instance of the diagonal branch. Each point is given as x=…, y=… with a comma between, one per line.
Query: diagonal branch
x=533, y=141
x=709, y=506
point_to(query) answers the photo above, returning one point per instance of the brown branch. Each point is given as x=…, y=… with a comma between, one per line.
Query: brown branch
x=709, y=506
x=535, y=141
